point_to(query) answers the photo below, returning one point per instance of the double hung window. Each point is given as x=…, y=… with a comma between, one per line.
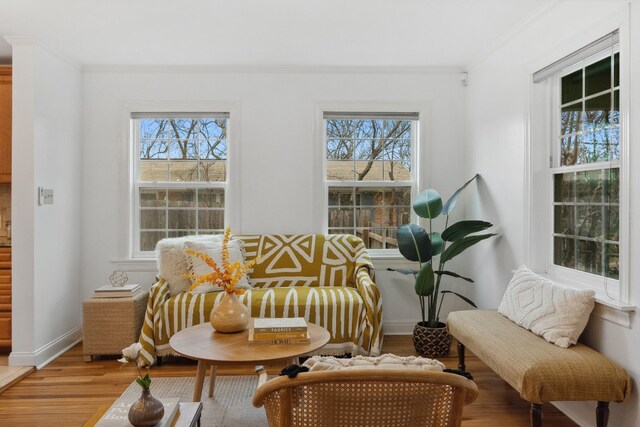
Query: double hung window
x=370, y=174
x=584, y=173
x=180, y=172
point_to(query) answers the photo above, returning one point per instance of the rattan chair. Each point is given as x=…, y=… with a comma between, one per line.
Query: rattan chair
x=365, y=398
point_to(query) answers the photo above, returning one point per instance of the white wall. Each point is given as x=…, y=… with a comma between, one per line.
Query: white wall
x=277, y=148
x=46, y=239
x=497, y=111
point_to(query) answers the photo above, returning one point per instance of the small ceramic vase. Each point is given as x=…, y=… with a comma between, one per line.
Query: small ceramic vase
x=230, y=315
x=146, y=411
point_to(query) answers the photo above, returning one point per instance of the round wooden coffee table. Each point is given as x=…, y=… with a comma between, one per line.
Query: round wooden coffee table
x=211, y=348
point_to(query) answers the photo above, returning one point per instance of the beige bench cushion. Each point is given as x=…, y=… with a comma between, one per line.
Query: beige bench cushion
x=538, y=370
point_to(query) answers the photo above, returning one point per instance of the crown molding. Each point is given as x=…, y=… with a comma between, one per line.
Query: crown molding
x=265, y=69
x=21, y=41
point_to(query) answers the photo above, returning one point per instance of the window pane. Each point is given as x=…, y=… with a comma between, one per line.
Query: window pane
x=397, y=171
x=183, y=170
x=152, y=198
x=340, y=170
x=589, y=221
x=153, y=219
x=589, y=186
x=148, y=239
x=341, y=217
x=213, y=171
x=597, y=111
x=612, y=185
x=589, y=256
x=212, y=198
x=182, y=198
x=598, y=76
x=182, y=128
x=612, y=260
x=570, y=150
x=571, y=87
x=612, y=230
x=563, y=219
x=182, y=219
x=340, y=149
x=564, y=252
x=180, y=233
x=571, y=118
x=211, y=219
x=213, y=149
x=154, y=170
x=564, y=187
x=372, y=170
x=615, y=112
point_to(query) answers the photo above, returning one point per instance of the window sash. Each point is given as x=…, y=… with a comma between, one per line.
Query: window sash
x=139, y=184
x=412, y=184
x=588, y=56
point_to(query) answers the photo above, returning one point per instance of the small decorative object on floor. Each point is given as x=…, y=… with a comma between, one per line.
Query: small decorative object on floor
x=118, y=278
x=146, y=411
x=230, y=315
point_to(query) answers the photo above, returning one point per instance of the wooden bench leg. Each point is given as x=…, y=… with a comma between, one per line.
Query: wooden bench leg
x=461, y=356
x=602, y=414
x=536, y=415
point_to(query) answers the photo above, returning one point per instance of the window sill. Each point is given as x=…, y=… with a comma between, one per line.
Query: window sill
x=607, y=308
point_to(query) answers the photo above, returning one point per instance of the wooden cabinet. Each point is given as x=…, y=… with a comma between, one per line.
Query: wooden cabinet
x=5, y=124
x=5, y=297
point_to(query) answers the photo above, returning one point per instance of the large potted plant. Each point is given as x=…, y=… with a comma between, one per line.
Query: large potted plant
x=432, y=250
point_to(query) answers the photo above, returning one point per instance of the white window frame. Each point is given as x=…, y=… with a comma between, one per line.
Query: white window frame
x=538, y=182
x=418, y=153
x=128, y=245
x=609, y=286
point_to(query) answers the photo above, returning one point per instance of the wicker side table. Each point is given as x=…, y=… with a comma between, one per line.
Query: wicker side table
x=111, y=324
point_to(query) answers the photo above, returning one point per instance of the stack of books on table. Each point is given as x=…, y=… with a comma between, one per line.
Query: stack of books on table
x=291, y=330
x=108, y=291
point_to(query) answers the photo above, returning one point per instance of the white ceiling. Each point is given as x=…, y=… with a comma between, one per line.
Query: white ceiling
x=403, y=33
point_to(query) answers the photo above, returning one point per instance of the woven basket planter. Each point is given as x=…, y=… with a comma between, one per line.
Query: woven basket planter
x=431, y=342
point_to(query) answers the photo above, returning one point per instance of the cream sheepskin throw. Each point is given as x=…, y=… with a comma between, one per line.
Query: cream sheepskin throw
x=556, y=313
x=173, y=263
x=214, y=249
x=386, y=361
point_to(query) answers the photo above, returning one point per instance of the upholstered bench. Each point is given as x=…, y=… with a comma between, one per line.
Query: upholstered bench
x=538, y=370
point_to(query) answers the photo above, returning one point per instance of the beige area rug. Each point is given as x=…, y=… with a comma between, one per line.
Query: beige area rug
x=230, y=406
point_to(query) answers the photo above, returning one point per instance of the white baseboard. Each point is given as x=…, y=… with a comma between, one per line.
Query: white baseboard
x=584, y=413
x=48, y=352
x=398, y=327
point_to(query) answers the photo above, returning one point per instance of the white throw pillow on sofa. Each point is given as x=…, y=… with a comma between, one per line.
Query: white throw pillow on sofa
x=198, y=267
x=172, y=261
x=556, y=313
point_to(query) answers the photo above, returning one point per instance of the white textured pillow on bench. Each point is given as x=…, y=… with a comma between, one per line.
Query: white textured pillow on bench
x=556, y=313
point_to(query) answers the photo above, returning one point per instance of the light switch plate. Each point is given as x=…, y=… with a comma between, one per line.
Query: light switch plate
x=45, y=196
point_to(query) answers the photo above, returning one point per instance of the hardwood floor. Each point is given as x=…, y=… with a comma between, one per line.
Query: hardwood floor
x=68, y=391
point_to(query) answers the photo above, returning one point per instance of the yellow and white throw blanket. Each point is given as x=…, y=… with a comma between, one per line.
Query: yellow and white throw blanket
x=327, y=279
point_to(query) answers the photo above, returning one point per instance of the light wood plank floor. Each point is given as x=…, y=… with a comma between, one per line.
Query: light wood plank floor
x=68, y=391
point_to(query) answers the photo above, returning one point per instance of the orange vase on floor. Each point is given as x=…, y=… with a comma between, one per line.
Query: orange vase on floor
x=230, y=315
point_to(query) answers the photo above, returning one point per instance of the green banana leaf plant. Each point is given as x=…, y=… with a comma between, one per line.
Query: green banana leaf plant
x=432, y=250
